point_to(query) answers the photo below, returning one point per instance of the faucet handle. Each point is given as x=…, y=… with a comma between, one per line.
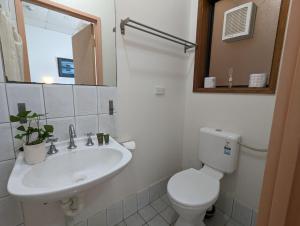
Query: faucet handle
x=52, y=148
x=52, y=140
x=90, y=140
x=90, y=134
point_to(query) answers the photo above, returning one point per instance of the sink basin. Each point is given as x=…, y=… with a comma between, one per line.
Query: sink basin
x=68, y=172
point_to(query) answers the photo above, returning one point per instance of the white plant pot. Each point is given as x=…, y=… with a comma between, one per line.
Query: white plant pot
x=34, y=154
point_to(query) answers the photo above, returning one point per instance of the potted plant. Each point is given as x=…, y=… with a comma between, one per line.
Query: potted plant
x=33, y=135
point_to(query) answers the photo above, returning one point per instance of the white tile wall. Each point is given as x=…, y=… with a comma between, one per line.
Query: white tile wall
x=107, y=124
x=104, y=95
x=98, y=219
x=5, y=170
x=253, y=220
x=143, y=198
x=4, y=115
x=85, y=100
x=225, y=204
x=155, y=192
x=86, y=124
x=6, y=142
x=10, y=212
x=59, y=101
x=115, y=214
x=61, y=127
x=130, y=206
x=31, y=95
x=241, y=214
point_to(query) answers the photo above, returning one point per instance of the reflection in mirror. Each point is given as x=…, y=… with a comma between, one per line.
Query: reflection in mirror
x=240, y=45
x=64, y=45
x=57, y=46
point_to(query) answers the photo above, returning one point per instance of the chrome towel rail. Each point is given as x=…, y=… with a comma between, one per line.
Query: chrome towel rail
x=153, y=31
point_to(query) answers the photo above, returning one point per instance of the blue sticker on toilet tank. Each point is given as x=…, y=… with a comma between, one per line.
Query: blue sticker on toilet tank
x=227, y=150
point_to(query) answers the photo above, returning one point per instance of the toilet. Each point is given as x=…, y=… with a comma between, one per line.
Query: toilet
x=192, y=192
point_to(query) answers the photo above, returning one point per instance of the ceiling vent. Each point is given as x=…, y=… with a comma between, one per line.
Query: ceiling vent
x=239, y=22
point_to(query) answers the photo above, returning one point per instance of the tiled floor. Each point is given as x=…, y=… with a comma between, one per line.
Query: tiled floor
x=158, y=213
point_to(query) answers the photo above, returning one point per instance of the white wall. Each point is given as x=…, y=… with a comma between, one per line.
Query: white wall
x=155, y=122
x=44, y=46
x=248, y=115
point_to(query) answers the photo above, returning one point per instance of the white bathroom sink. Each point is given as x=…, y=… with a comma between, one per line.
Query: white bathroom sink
x=68, y=172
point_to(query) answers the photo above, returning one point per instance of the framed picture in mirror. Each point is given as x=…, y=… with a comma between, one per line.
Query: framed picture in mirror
x=65, y=67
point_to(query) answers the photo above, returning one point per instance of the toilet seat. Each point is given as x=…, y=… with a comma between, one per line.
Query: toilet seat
x=193, y=188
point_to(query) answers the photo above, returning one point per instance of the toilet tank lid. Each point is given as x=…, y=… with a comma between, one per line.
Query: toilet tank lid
x=220, y=133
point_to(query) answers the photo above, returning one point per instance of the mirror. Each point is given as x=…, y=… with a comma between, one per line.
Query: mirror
x=240, y=44
x=63, y=45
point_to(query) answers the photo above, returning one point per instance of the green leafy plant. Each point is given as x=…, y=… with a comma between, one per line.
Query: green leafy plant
x=31, y=132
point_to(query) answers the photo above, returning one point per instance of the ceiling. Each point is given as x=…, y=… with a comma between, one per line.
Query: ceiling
x=51, y=20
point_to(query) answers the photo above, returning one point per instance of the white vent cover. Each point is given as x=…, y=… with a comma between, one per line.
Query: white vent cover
x=239, y=22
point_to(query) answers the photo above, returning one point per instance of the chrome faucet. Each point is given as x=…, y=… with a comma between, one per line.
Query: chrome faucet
x=72, y=134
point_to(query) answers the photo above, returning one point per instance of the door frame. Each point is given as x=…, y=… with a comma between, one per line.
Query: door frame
x=282, y=176
x=96, y=21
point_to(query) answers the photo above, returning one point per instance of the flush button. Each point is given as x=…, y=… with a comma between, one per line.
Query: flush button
x=218, y=130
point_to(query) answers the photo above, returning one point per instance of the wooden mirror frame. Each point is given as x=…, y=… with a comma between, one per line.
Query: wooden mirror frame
x=96, y=21
x=202, y=55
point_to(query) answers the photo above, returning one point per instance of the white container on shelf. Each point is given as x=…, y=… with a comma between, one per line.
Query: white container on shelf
x=210, y=82
x=258, y=80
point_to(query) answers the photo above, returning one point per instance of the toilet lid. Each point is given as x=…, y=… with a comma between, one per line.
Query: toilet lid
x=193, y=188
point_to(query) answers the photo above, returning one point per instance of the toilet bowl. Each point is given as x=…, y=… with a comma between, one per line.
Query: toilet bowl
x=192, y=192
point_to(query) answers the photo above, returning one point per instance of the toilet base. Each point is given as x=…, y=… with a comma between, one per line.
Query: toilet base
x=182, y=222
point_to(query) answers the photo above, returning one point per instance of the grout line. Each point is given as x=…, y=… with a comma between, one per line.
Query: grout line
x=44, y=101
x=10, y=123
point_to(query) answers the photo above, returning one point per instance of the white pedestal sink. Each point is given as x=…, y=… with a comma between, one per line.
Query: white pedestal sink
x=64, y=175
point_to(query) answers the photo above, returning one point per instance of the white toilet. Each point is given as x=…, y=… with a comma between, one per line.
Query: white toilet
x=192, y=191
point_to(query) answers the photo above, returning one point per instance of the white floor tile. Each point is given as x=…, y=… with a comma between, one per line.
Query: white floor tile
x=134, y=220
x=159, y=205
x=157, y=221
x=169, y=215
x=147, y=213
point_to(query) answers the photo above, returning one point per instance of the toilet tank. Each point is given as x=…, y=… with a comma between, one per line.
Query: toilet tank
x=219, y=149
